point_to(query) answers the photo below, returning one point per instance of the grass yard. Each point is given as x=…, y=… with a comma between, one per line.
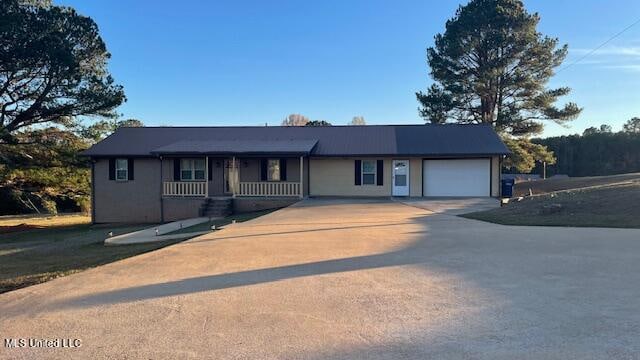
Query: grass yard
x=42, y=248
x=34, y=256
x=25, y=222
x=616, y=205
x=550, y=185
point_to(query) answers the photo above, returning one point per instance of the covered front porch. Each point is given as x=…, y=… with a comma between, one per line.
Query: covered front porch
x=237, y=178
x=252, y=169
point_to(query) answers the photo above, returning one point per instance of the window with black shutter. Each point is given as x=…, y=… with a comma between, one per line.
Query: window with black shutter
x=130, y=168
x=273, y=169
x=122, y=169
x=369, y=169
x=112, y=169
x=283, y=169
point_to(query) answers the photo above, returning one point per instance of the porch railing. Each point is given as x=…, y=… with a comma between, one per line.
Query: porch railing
x=184, y=188
x=264, y=188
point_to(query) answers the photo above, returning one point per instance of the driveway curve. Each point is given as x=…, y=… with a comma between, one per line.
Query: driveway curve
x=363, y=279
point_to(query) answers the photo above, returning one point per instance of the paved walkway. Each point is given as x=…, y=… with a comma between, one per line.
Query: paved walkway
x=338, y=279
x=157, y=233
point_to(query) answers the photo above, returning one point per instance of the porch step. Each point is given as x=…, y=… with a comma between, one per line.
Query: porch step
x=216, y=207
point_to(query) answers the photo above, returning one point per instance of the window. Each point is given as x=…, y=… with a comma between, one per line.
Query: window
x=122, y=170
x=273, y=170
x=192, y=169
x=368, y=172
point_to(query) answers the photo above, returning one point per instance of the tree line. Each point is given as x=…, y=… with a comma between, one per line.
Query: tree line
x=598, y=151
x=44, y=172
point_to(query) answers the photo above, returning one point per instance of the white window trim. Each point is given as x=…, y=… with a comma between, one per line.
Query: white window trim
x=375, y=172
x=279, y=170
x=125, y=169
x=193, y=169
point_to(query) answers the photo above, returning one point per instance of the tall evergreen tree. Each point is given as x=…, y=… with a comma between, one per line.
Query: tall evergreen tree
x=53, y=68
x=492, y=66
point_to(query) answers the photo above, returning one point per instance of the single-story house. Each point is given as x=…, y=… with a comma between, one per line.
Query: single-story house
x=157, y=174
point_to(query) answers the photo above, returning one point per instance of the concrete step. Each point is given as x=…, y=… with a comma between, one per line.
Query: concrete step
x=217, y=207
x=216, y=214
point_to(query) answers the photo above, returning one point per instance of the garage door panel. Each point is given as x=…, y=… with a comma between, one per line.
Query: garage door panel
x=456, y=177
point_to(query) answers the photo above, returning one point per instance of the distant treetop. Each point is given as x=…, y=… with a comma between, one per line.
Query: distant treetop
x=295, y=120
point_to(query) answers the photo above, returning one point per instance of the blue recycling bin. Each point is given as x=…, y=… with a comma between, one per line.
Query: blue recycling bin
x=507, y=187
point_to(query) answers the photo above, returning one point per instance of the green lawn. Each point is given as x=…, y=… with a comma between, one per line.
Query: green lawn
x=616, y=205
x=35, y=256
x=56, y=249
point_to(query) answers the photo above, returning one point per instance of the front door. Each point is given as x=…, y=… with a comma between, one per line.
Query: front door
x=227, y=174
x=400, y=178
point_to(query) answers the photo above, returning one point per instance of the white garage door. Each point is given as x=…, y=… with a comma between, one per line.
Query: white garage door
x=466, y=177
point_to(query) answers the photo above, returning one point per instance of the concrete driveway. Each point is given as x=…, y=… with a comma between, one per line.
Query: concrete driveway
x=350, y=279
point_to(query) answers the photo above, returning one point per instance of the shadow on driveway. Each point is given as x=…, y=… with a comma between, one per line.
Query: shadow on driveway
x=404, y=256
x=480, y=290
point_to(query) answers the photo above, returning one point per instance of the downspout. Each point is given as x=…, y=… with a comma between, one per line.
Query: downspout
x=500, y=159
x=93, y=191
x=301, y=195
x=161, y=197
x=206, y=176
x=308, y=176
x=491, y=176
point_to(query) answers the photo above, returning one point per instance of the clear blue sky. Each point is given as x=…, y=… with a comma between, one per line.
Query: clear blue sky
x=254, y=62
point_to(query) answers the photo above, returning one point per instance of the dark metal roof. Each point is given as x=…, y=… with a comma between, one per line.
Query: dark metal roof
x=393, y=140
x=302, y=147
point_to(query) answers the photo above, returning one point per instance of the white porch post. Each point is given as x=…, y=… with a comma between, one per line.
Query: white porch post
x=206, y=176
x=301, y=178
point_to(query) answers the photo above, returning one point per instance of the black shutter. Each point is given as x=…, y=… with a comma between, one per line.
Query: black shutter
x=210, y=167
x=263, y=169
x=358, y=172
x=283, y=169
x=380, y=172
x=176, y=169
x=112, y=169
x=130, y=166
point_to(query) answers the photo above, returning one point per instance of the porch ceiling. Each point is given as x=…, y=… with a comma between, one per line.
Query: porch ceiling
x=257, y=147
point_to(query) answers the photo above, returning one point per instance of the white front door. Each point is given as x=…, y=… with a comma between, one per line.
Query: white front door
x=400, y=178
